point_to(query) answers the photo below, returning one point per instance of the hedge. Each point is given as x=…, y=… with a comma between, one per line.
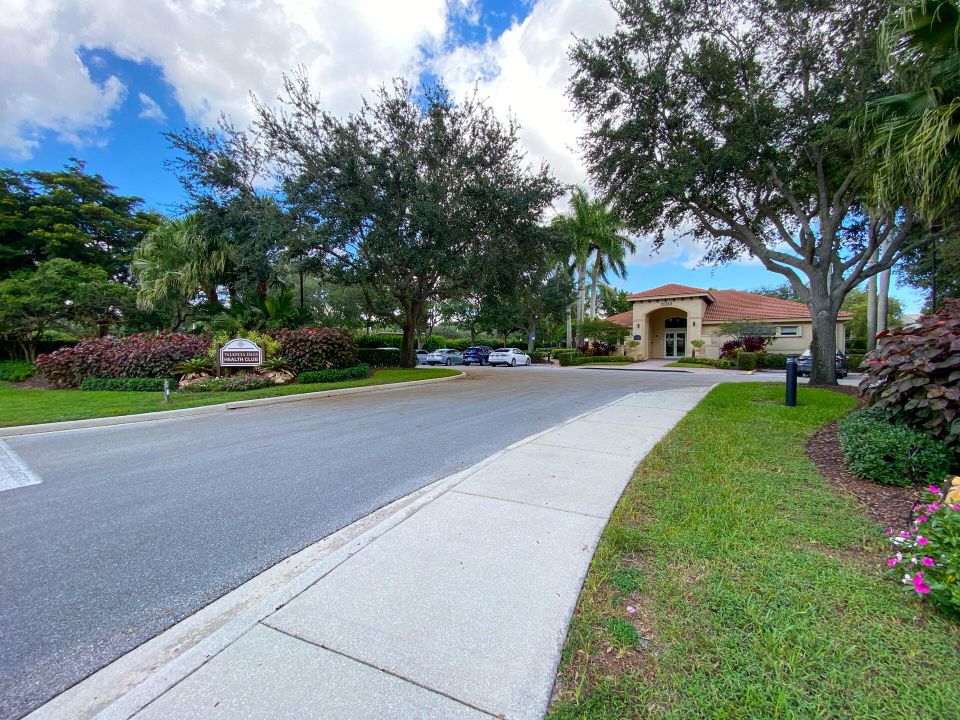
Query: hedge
x=706, y=362
x=772, y=361
x=357, y=372
x=140, y=384
x=566, y=356
x=379, y=357
x=891, y=453
x=317, y=348
x=590, y=359
x=137, y=356
x=746, y=361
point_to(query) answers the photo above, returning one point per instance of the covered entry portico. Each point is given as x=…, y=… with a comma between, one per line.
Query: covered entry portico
x=667, y=334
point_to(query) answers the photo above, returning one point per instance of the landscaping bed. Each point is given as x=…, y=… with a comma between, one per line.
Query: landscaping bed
x=734, y=580
x=31, y=406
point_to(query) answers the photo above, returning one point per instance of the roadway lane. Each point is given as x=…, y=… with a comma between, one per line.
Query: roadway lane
x=135, y=527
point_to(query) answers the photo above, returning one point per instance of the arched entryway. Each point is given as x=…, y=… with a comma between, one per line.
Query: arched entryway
x=668, y=334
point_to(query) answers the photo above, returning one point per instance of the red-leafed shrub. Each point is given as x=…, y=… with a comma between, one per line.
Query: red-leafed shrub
x=914, y=376
x=730, y=347
x=317, y=348
x=754, y=343
x=141, y=355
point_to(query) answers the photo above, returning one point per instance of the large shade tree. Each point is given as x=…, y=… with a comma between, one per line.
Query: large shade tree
x=416, y=198
x=731, y=122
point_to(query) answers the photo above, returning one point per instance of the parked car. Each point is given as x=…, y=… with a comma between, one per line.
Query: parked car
x=477, y=354
x=805, y=364
x=508, y=356
x=422, y=357
x=444, y=356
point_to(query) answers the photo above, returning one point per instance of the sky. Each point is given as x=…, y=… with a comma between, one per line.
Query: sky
x=101, y=80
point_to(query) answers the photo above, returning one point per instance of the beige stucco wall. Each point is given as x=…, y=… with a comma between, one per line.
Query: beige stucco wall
x=649, y=317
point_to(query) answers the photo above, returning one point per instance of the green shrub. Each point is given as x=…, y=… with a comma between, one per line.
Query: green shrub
x=915, y=375
x=539, y=356
x=706, y=362
x=357, y=372
x=600, y=359
x=772, y=361
x=379, y=357
x=747, y=361
x=243, y=381
x=16, y=370
x=567, y=356
x=140, y=384
x=890, y=453
x=854, y=360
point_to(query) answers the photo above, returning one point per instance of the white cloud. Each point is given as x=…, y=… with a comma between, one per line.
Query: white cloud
x=212, y=52
x=150, y=110
x=524, y=72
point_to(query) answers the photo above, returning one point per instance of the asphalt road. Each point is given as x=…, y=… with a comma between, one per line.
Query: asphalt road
x=135, y=527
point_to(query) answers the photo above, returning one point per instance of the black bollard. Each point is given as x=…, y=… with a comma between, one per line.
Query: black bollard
x=791, y=382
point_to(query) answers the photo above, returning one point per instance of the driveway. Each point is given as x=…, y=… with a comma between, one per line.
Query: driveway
x=134, y=527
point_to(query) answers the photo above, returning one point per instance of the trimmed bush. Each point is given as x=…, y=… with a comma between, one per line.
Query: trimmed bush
x=127, y=384
x=566, y=356
x=772, y=361
x=890, y=453
x=747, y=361
x=915, y=375
x=137, y=356
x=854, y=360
x=244, y=381
x=706, y=362
x=16, y=370
x=317, y=348
x=592, y=359
x=379, y=357
x=357, y=372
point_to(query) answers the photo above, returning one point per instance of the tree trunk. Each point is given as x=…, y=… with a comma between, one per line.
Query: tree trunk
x=473, y=335
x=872, y=313
x=593, y=291
x=569, y=327
x=883, y=298
x=581, y=298
x=823, y=370
x=531, y=328
x=408, y=349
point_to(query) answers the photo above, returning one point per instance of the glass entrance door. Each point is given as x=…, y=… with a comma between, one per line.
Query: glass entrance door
x=674, y=344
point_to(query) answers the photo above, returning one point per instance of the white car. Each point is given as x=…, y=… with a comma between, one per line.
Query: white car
x=508, y=356
x=444, y=356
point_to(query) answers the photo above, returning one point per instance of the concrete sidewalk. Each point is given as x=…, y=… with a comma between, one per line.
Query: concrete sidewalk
x=457, y=610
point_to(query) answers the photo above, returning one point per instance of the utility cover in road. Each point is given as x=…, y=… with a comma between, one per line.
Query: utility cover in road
x=240, y=352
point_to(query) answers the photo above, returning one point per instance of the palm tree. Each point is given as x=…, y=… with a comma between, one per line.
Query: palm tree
x=593, y=230
x=175, y=262
x=916, y=134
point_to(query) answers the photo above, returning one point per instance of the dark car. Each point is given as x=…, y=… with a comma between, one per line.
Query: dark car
x=477, y=354
x=805, y=364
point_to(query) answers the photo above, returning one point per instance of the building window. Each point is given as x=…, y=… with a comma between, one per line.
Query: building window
x=675, y=322
x=789, y=331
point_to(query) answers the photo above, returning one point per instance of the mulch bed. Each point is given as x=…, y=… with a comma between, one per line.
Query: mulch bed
x=37, y=382
x=888, y=505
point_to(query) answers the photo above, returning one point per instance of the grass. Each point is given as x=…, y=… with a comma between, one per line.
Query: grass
x=26, y=407
x=758, y=589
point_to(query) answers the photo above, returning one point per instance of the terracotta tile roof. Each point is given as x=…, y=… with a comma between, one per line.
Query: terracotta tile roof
x=669, y=290
x=624, y=318
x=739, y=305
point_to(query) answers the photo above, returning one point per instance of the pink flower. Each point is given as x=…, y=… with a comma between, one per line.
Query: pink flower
x=904, y=534
x=934, y=489
x=928, y=561
x=631, y=609
x=955, y=507
x=919, y=585
x=933, y=507
x=922, y=540
x=921, y=518
x=892, y=562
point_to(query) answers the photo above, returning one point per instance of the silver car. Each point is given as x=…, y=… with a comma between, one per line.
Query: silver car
x=444, y=356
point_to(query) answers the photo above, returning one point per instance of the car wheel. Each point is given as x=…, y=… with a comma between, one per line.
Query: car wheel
x=448, y=363
x=466, y=364
x=528, y=362
x=513, y=363
x=482, y=363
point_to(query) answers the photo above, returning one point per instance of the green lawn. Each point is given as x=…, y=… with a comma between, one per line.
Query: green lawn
x=26, y=407
x=759, y=591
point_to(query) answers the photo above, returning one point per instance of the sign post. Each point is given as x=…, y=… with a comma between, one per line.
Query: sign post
x=239, y=352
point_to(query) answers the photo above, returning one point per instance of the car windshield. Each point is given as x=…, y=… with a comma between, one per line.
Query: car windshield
x=502, y=350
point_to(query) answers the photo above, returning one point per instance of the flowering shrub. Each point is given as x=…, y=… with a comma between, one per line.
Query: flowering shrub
x=244, y=381
x=889, y=453
x=140, y=355
x=915, y=375
x=317, y=348
x=928, y=554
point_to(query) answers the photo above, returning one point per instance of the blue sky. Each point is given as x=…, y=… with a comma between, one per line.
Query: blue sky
x=101, y=81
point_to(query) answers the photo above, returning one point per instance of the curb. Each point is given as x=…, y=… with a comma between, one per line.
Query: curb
x=17, y=430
